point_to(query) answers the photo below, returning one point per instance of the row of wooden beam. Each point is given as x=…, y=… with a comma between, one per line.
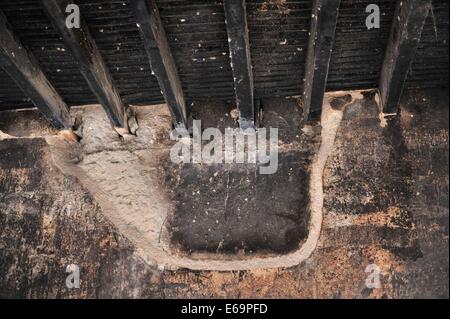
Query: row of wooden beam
x=406, y=30
x=25, y=70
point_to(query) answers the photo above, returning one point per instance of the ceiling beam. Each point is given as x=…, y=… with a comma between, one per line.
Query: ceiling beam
x=407, y=26
x=239, y=44
x=322, y=33
x=25, y=70
x=161, y=60
x=80, y=43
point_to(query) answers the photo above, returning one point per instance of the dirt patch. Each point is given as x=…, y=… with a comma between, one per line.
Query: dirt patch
x=233, y=208
x=339, y=102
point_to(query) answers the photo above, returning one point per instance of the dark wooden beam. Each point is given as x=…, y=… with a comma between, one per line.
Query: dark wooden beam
x=161, y=59
x=407, y=26
x=238, y=41
x=81, y=45
x=24, y=69
x=323, y=27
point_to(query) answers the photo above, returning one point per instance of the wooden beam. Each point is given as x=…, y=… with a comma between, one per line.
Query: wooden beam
x=24, y=69
x=161, y=59
x=81, y=45
x=323, y=27
x=407, y=26
x=238, y=41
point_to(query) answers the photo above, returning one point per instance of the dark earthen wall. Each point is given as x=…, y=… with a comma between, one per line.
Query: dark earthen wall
x=386, y=203
x=48, y=222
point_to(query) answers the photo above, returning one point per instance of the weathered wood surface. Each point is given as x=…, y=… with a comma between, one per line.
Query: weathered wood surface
x=24, y=69
x=239, y=44
x=322, y=34
x=406, y=32
x=83, y=48
x=161, y=59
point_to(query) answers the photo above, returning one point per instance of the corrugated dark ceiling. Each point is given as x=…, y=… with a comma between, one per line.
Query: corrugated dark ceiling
x=196, y=30
x=35, y=31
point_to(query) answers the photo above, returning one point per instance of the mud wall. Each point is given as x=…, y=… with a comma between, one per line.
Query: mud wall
x=386, y=203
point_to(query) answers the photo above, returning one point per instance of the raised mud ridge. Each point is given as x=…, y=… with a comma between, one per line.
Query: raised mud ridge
x=123, y=182
x=259, y=221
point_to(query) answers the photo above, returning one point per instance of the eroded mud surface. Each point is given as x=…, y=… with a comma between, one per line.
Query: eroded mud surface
x=368, y=178
x=227, y=208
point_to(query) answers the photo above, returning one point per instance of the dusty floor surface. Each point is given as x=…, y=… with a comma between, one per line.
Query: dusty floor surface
x=386, y=210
